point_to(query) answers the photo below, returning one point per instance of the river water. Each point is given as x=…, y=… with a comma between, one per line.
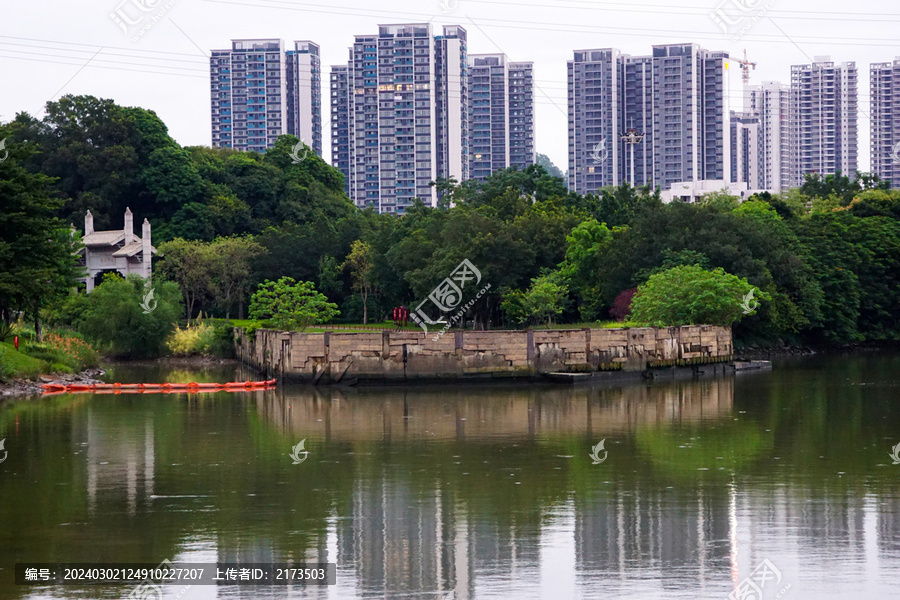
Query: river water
x=779, y=479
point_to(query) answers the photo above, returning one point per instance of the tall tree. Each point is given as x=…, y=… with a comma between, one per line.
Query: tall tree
x=189, y=263
x=542, y=160
x=231, y=260
x=359, y=263
x=37, y=250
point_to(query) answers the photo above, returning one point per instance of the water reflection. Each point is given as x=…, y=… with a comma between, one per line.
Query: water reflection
x=485, y=491
x=488, y=413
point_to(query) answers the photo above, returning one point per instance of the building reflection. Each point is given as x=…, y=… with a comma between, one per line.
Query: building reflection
x=405, y=540
x=478, y=412
x=117, y=454
x=415, y=520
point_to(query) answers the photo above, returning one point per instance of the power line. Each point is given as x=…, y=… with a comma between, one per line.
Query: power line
x=27, y=39
x=630, y=8
x=504, y=23
x=98, y=66
x=96, y=60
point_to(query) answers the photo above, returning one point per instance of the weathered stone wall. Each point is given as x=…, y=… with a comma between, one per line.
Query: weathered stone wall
x=408, y=355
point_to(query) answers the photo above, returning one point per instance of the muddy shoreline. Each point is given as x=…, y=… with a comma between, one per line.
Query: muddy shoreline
x=17, y=388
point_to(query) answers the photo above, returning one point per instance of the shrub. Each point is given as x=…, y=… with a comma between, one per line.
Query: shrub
x=78, y=353
x=63, y=353
x=222, y=343
x=193, y=339
x=291, y=305
x=117, y=315
x=622, y=304
x=691, y=295
x=6, y=331
x=202, y=339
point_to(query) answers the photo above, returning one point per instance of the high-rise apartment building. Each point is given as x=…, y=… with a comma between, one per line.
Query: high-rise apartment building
x=771, y=103
x=594, y=119
x=884, y=81
x=400, y=115
x=677, y=98
x=501, y=114
x=691, y=133
x=636, y=113
x=823, y=119
x=340, y=123
x=451, y=66
x=745, y=142
x=259, y=92
x=304, y=94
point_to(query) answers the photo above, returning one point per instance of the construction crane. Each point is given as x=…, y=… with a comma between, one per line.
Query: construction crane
x=745, y=68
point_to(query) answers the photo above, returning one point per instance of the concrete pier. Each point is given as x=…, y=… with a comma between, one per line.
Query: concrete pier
x=407, y=356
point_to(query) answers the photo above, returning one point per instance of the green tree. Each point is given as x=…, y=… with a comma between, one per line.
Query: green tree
x=171, y=177
x=586, y=247
x=37, y=251
x=720, y=200
x=330, y=276
x=189, y=263
x=541, y=302
x=691, y=295
x=359, y=263
x=130, y=316
x=840, y=186
x=544, y=161
x=290, y=305
x=230, y=263
x=97, y=151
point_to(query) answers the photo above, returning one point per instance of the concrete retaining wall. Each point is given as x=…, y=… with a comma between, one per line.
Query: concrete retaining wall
x=408, y=355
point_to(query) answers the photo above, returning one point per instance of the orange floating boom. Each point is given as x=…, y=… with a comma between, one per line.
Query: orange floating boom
x=165, y=388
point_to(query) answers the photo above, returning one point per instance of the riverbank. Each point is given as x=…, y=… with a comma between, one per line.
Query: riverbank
x=15, y=388
x=198, y=361
x=785, y=350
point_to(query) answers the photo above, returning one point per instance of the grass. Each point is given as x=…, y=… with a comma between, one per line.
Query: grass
x=386, y=325
x=389, y=326
x=594, y=325
x=18, y=365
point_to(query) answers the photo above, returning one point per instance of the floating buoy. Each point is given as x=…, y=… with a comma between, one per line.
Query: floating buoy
x=164, y=388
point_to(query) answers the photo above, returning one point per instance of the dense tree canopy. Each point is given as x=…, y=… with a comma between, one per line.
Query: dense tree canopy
x=826, y=256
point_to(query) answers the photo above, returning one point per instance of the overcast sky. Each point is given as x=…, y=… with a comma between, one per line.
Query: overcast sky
x=53, y=47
